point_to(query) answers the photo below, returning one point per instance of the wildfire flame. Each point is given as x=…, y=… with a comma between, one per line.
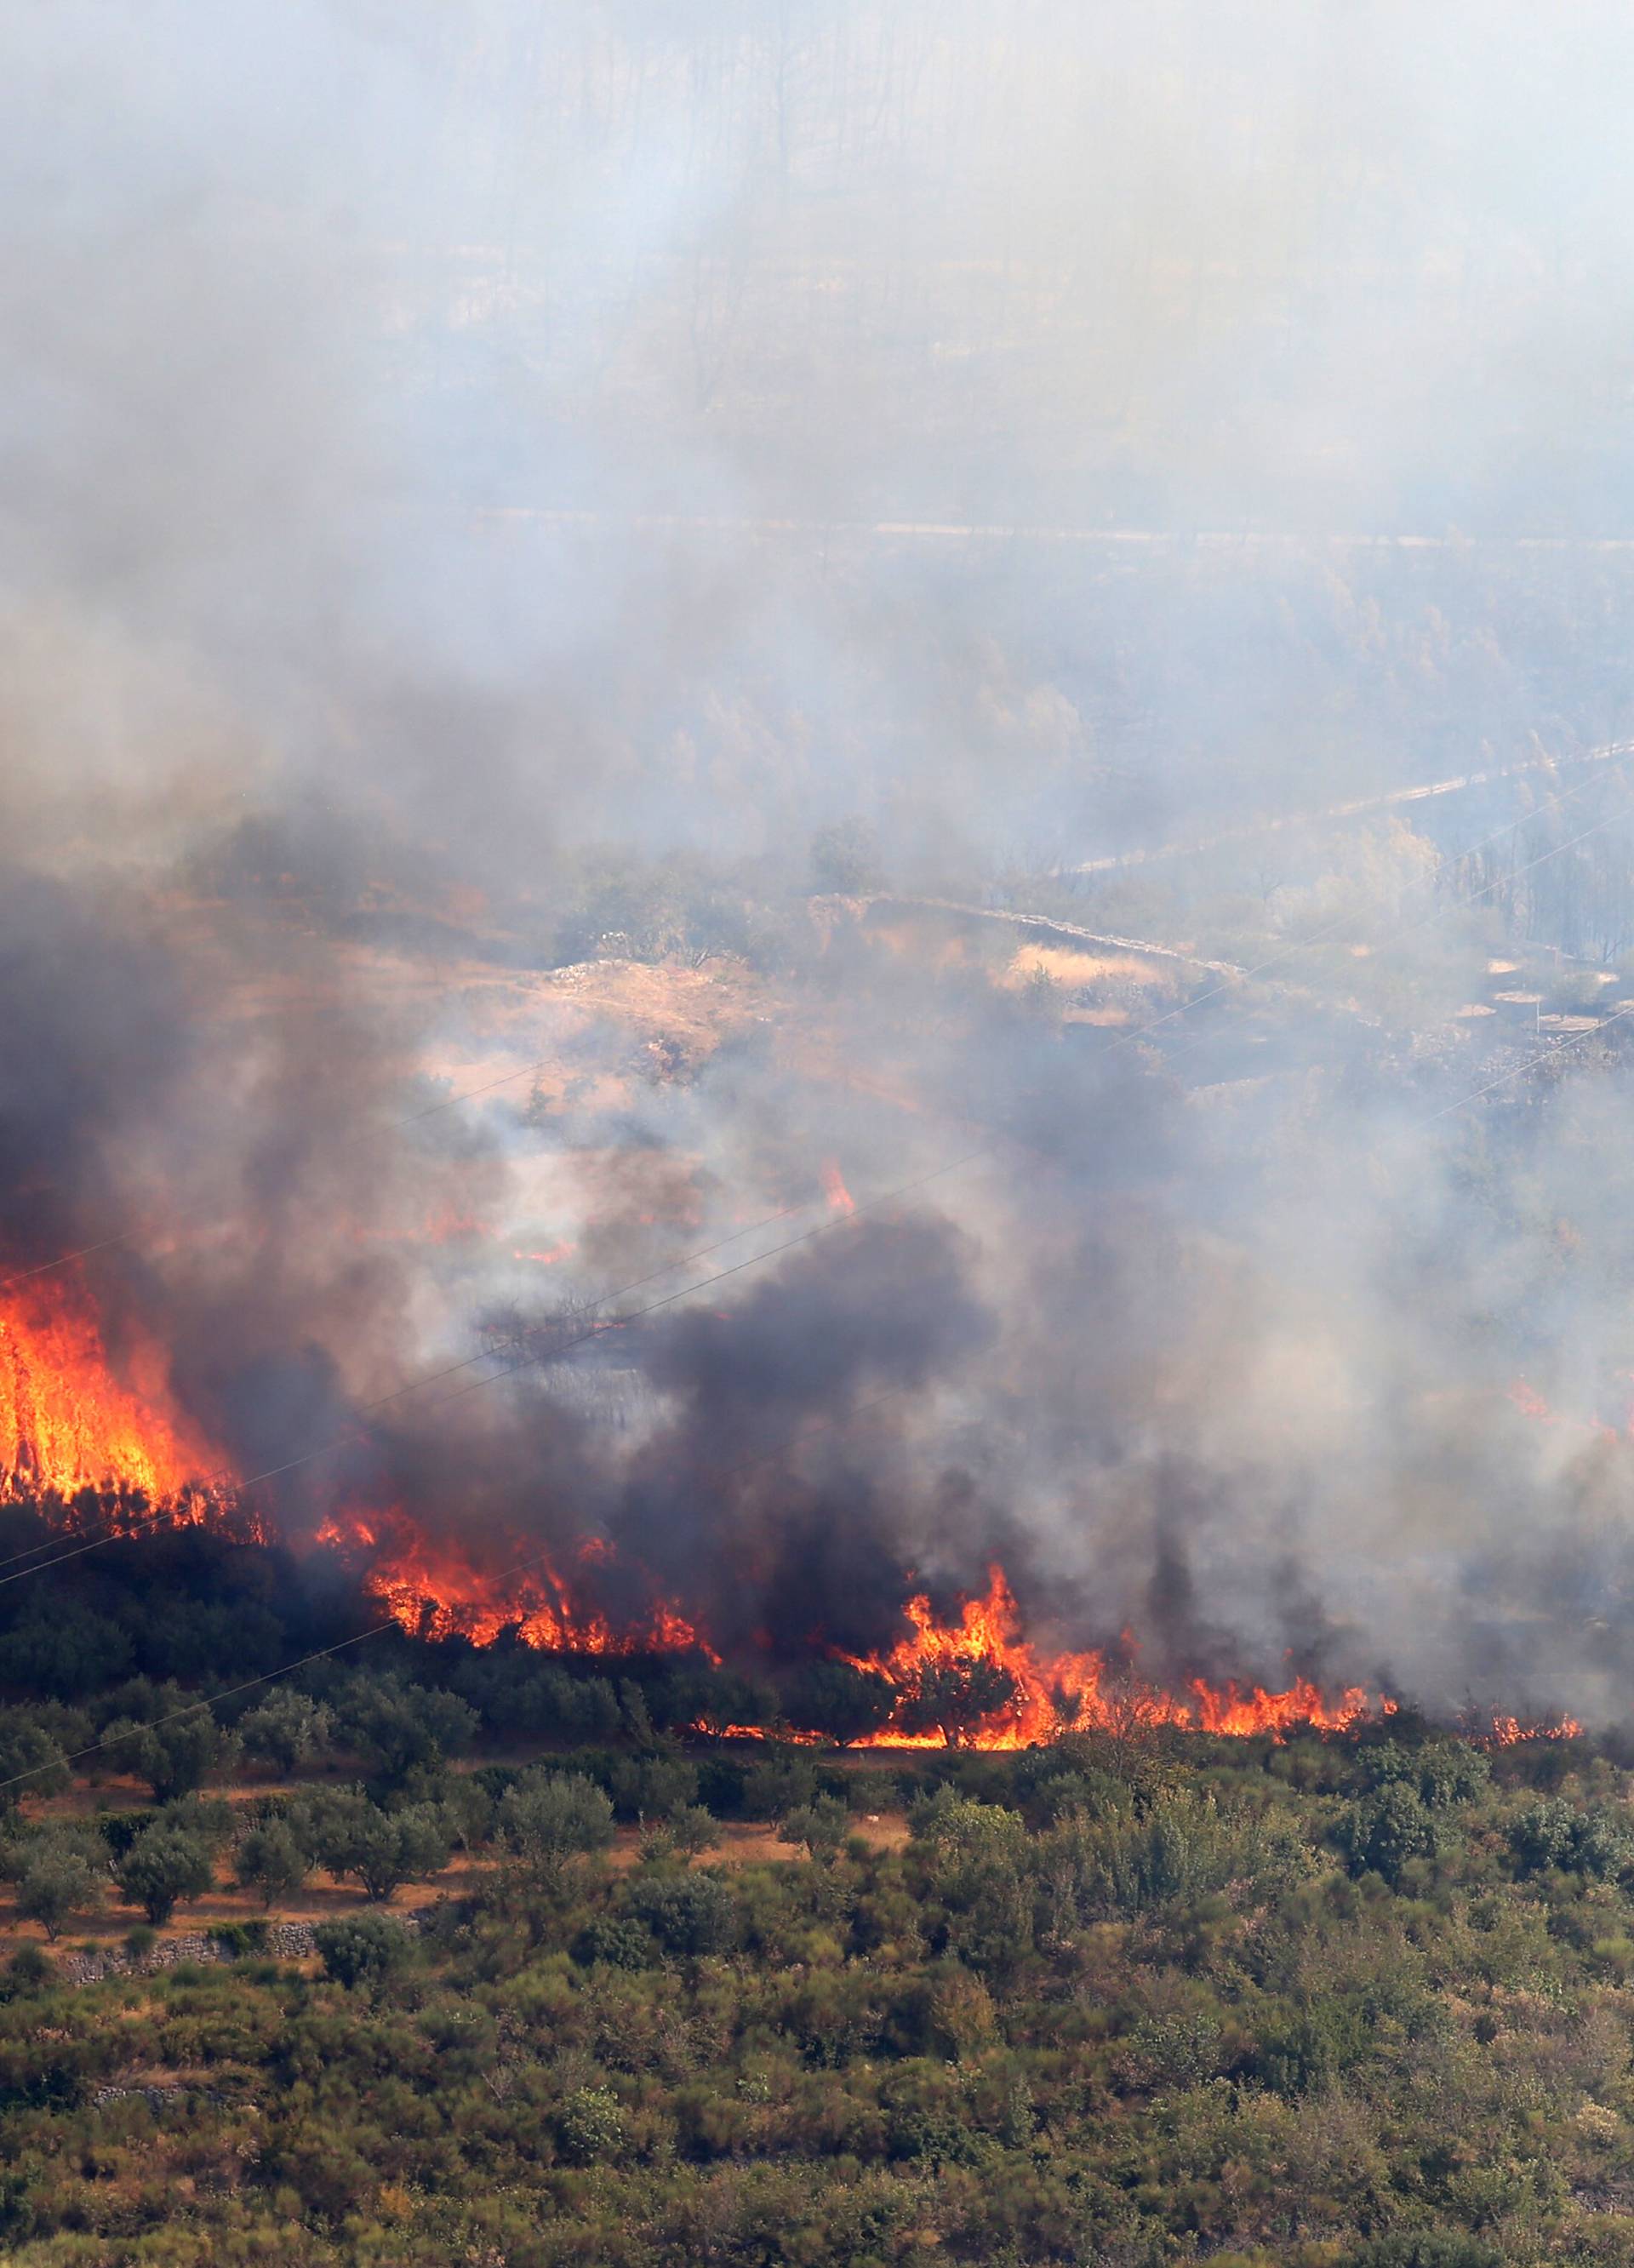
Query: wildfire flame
x=70, y=1417
x=1506, y=1732
x=1530, y=1403
x=67, y=1422
x=437, y=1591
x=1051, y=1693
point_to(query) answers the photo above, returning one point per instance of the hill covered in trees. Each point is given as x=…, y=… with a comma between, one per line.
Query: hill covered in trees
x=1362, y=1999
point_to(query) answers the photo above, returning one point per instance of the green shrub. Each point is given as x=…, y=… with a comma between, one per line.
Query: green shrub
x=31, y=1763
x=1441, y=1773
x=589, y=2125
x=777, y=1783
x=287, y=1729
x=652, y=1788
x=363, y=1952
x=30, y=1969
x=56, y=1886
x=615, y=1939
x=843, y=1703
x=176, y=1755
x=350, y=1836
x=399, y=1729
x=1380, y=1834
x=1182, y=1848
x=272, y=1861
x=239, y=1938
x=820, y=1828
x=1433, y=2249
x=550, y=1820
x=162, y=1868
x=1551, y=1832
x=688, y=1915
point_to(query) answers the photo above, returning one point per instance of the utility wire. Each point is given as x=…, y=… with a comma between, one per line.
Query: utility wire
x=248, y=1684
x=1414, y=929
x=883, y=1198
x=351, y=1436
x=1556, y=1047
x=521, y=1566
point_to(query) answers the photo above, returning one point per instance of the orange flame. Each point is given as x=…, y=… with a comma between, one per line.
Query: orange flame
x=1530, y=1403
x=70, y=1417
x=436, y=1590
x=1050, y=1694
x=1506, y=1732
x=67, y=1422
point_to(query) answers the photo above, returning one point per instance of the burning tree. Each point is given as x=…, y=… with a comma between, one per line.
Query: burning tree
x=956, y=1695
x=843, y=1703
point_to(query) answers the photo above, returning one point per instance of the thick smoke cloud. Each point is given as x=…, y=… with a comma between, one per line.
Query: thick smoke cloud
x=96, y=1033
x=495, y=490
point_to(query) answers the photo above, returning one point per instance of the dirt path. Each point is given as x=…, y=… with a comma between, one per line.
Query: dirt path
x=1358, y=809
x=1065, y=932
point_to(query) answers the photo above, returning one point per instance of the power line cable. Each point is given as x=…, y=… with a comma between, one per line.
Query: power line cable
x=352, y=1437
x=1544, y=1055
x=247, y=1685
x=376, y=1629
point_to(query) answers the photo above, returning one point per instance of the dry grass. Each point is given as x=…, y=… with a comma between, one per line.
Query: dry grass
x=912, y=940
x=1074, y=970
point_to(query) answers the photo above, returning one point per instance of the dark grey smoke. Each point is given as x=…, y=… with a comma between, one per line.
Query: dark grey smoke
x=96, y=1035
x=784, y=1488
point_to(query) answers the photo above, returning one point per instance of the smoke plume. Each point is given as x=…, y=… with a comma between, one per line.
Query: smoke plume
x=556, y=568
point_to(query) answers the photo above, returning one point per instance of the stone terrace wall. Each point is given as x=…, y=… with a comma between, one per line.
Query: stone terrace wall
x=285, y=1940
